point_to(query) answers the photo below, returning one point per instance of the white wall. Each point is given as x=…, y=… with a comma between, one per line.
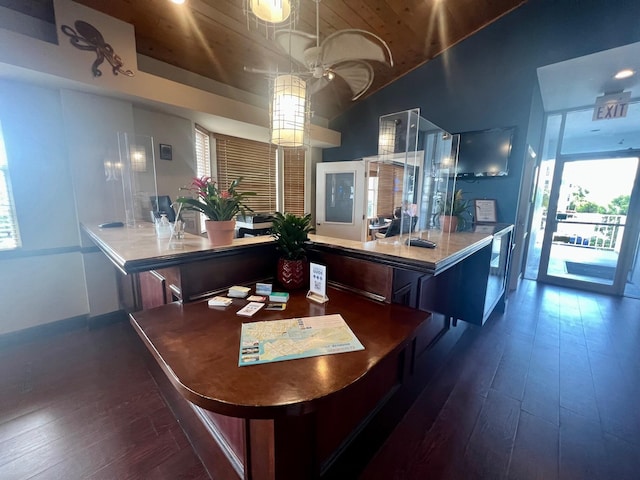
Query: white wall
x=34, y=138
x=91, y=124
x=41, y=289
x=57, y=142
x=177, y=132
x=45, y=282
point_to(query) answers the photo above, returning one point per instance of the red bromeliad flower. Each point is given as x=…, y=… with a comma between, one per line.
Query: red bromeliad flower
x=215, y=203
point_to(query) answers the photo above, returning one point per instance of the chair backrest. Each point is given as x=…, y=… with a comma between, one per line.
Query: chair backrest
x=408, y=224
x=393, y=228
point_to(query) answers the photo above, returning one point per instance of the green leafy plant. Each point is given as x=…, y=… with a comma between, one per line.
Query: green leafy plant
x=454, y=205
x=216, y=203
x=290, y=232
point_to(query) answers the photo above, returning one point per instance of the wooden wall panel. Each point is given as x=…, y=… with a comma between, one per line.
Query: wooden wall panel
x=362, y=275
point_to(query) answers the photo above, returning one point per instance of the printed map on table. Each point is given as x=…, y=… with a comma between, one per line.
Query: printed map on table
x=278, y=340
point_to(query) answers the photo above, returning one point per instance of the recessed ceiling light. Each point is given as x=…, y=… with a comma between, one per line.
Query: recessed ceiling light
x=626, y=73
x=178, y=2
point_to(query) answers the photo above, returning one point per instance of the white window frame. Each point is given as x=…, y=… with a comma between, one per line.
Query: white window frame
x=9, y=231
x=204, y=167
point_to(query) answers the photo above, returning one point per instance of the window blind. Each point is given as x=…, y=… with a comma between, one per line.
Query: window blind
x=389, y=188
x=255, y=162
x=293, y=172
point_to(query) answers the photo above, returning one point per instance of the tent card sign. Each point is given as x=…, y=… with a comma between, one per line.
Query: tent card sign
x=318, y=283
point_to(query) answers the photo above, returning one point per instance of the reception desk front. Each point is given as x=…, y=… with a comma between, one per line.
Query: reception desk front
x=293, y=419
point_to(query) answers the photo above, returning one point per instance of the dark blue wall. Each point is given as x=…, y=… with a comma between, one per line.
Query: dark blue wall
x=489, y=80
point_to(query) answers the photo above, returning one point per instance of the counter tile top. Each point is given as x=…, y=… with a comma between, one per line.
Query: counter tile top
x=134, y=249
x=137, y=249
x=450, y=247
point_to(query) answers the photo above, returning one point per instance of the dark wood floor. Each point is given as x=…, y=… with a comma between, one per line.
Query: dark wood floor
x=84, y=406
x=547, y=391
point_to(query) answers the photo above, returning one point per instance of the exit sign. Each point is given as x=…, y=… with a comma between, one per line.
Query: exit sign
x=610, y=106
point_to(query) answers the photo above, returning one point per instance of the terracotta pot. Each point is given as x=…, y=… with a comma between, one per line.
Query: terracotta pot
x=220, y=233
x=293, y=274
x=448, y=224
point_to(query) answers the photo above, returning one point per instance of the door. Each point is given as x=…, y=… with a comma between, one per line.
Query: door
x=523, y=219
x=340, y=200
x=589, y=238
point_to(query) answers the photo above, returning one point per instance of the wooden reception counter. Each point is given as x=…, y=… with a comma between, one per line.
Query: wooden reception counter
x=470, y=265
x=290, y=419
x=312, y=417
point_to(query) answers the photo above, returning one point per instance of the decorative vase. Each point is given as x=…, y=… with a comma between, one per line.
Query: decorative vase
x=448, y=223
x=220, y=233
x=293, y=274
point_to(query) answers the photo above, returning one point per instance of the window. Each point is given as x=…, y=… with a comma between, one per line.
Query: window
x=255, y=162
x=203, y=169
x=9, y=234
x=372, y=198
x=293, y=183
x=203, y=153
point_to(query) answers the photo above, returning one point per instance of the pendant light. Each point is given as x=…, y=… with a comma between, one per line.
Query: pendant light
x=289, y=111
x=268, y=15
x=272, y=11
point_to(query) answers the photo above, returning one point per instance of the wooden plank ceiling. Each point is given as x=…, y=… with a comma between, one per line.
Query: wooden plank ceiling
x=211, y=37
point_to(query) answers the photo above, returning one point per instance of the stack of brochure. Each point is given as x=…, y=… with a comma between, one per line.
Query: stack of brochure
x=220, y=302
x=238, y=291
x=280, y=297
x=263, y=288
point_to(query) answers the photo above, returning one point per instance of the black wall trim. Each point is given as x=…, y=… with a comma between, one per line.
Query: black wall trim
x=61, y=326
x=22, y=253
x=106, y=319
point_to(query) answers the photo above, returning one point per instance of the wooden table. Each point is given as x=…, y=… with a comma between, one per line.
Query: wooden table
x=289, y=419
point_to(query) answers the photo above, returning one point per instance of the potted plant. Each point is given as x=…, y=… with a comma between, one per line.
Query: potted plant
x=220, y=206
x=291, y=234
x=452, y=211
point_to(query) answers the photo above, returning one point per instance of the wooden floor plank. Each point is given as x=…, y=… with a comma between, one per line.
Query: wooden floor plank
x=536, y=450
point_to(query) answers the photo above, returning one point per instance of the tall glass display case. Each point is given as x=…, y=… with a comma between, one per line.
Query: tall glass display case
x=410, y=177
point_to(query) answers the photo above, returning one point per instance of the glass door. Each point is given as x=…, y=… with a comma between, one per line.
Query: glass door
x=340, y=200
x=588, y=241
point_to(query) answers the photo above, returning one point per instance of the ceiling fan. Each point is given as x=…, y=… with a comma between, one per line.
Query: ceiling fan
x=345, y=53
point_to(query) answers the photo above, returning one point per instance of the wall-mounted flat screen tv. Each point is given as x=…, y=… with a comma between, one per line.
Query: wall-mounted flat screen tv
x=485, y=153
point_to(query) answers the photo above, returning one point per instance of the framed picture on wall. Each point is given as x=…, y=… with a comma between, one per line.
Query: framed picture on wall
x=166, y=152
x=485, y=211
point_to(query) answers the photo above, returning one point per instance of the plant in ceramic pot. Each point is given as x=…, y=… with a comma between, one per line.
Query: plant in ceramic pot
x=219, y=205
x=453, y=209
x=291, y=234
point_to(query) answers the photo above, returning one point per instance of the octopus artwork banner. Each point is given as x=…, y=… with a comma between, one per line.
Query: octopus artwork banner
x=96, y=40
x=87, y=37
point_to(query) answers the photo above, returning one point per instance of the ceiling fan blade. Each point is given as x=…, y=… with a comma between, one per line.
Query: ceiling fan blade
x=358, y=75
x=317, y=85
x=353, y=44
x=294, y=43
